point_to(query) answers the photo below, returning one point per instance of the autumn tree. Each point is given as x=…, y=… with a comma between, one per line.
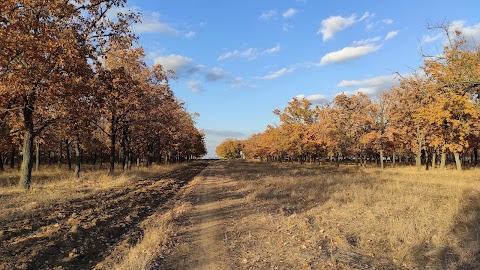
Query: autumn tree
x=42, y=45
x=229, y=149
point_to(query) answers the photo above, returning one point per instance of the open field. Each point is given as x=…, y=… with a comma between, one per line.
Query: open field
x=249, y=215
x=91, y=222
x=244, y=215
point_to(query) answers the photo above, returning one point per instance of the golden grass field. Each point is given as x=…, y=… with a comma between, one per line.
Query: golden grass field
x=360, y=218
x=291, y=216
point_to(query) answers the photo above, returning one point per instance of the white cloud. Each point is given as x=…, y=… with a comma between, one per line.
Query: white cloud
x=250, y=53
x=429, y=38
x=335, y=24
x=370, y=86
x=190, y=34
x=290, y=13
x=151, y=24
x=365, y=90
x=216, y=74
x=367, y=41
x=314, y=99
x=196, y=86
x=471, y=33
x=287, y=27
x=387, y=21
x=112, y=13
x=174, y=62
x=375, y=81
x=271, y=51
x=268, y=15
x=348, y=53
x=391, y=35
x=277, y=74
x=225, y=133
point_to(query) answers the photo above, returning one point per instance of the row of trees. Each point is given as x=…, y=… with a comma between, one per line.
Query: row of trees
x=71, y=79
x=434, y=112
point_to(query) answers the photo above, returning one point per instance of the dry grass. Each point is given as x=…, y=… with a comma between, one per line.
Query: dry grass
x=56, y=185
x=359, y=218
x=158, y=230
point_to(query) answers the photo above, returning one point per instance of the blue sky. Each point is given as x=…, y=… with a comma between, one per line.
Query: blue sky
x=237, y=61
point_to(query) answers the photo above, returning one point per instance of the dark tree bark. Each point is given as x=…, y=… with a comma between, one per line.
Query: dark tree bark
x=28, y=137
x=37, y=157
x=475, y=155
x=60, y=154
x=2, y=168
x=12, y=157
x=68, y=155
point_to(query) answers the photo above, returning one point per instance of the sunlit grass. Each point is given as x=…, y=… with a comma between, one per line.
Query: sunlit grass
x=411, y=218
x=56, y=185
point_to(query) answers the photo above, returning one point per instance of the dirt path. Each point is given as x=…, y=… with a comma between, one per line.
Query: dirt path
x=79, y=234
x=202, y=242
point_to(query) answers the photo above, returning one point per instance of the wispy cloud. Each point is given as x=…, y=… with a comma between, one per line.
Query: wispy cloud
x=370, y=86
x=151, y=23
x=291, y=12
x=250, y=53
x=287, y=27
x=174, y=62
x=225, y=133
x=348, y=53
x=471, y=33
x=391, y=35
x=335, y=24
x=429, y=38
x=216, y=74
x=268, y=15
x=367, y=41
x=314, y=99
x=387, y=21
x=195, y=85
x=277, y=74
x=190, y=34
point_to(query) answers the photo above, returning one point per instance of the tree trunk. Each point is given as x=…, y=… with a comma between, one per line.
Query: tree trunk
x=123, y=144
x=434, y=160
x=27, y=160
x=112, y=152
x=68, y=155
x=78, y=159
x=37, y=156
x=101, y=158
x=337, y=160
x=427, y=160
x=443, y=159
x=60, y=154
x=381, y=160
x=2, y=168
x=458, y=161
x=12, y=158
x=418, y=159
x=475, y=155
x=393, y=159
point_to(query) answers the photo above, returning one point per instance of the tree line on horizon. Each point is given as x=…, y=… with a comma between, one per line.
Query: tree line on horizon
x=430, y=117
x=73, y=84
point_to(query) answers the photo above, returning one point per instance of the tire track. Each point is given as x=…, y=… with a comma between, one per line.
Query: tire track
x=80, y=233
